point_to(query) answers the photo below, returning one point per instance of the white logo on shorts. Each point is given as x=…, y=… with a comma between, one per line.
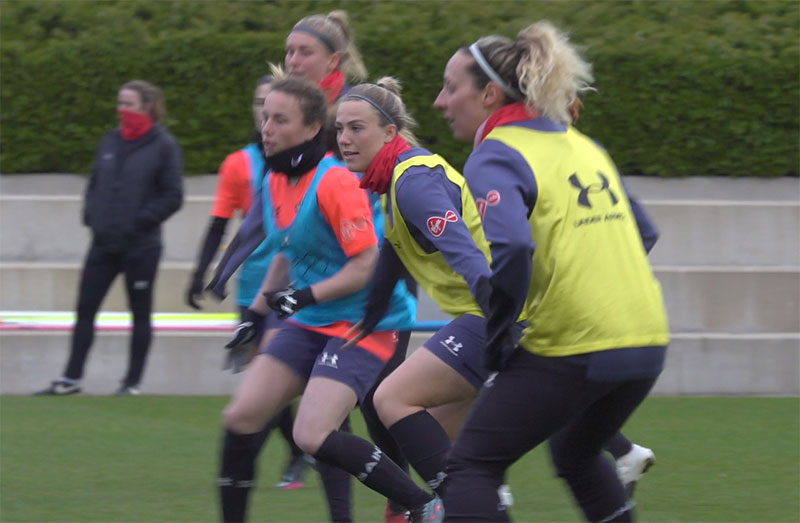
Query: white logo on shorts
x=329, y=360
x=452, y=345
x=141, y=285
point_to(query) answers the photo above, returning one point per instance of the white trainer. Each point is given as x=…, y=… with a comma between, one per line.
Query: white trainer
x=506, y=498
x=632, y=466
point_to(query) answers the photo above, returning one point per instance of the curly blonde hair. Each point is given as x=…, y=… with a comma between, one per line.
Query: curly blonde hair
x=540, y=67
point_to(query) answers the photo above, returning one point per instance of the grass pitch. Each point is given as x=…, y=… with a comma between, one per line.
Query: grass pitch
x=154, y=459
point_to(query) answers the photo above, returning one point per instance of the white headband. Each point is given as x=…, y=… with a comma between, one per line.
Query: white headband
x=475, y=51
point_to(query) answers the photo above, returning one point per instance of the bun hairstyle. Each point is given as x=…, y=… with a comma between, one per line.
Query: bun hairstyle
x=541, y=67
x=150, y=94
x=384, y=97
x=333, y=30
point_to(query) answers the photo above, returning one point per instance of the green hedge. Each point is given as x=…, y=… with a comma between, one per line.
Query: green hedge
x=683, y=88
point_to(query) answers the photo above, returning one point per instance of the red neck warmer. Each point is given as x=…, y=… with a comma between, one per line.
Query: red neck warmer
x=133, y=126
x=379, y=172
x=332, y=85
x=510, y=113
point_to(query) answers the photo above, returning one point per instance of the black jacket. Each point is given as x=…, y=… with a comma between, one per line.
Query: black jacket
x=134, y=186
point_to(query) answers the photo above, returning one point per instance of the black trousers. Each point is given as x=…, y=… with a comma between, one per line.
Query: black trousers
x=101, y=267
x=532, y=400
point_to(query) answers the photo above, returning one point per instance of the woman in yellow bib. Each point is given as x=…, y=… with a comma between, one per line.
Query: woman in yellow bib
x=432, y=229
x=567, y=258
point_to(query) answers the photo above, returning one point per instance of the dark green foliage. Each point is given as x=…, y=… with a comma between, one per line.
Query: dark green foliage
x=683, y=88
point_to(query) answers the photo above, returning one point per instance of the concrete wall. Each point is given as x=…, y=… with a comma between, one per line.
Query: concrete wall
x=728, y=261
x=190, y=364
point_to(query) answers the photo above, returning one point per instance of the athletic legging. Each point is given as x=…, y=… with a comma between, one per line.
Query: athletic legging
x=99, y=271
x=532, y=400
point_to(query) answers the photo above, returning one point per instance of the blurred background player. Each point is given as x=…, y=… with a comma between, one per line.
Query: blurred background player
x=240, y=176
x=135, y=184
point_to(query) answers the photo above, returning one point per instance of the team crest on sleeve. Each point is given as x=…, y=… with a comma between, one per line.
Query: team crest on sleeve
x=492, y=199
x=349, y=228
x=436, y=224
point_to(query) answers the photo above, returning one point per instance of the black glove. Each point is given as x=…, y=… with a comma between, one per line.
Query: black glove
x=240, y=348
x=195, y=292
x=388, y=272
x=366, y=325
x=288, y=301
x=502, y=331
x=499, y=349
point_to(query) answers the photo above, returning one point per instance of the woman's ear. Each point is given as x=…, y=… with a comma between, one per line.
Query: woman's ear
x=389, y=132
x=313, y=130
x=333, y=62
x=492, y=95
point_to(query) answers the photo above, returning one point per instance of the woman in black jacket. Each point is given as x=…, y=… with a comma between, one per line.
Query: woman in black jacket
x=135, y=185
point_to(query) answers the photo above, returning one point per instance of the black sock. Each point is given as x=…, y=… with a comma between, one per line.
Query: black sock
x=425, y=443
x=380, y=434
x=618, y=445
x=338, y=491
x=237, y=472
x=337, y=484
x=369, y=465
x=624, y=515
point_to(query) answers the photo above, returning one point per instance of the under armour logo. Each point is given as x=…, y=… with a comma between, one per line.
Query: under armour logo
x=436, y=224
x=296, y=161
x=329, y=360
x=451, y=345
x=492, y=199
x=583, y=195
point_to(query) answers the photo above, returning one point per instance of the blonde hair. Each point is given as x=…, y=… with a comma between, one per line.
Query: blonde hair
x=277, y=71
x=335, y=33
x=384, y=97
x=541, y=67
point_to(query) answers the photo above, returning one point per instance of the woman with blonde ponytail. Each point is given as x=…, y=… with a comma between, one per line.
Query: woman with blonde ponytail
x=320, y=48
x=569, y=258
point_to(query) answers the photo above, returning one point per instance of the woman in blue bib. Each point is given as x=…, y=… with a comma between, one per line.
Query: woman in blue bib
x=319, y=222
x=239, y=180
